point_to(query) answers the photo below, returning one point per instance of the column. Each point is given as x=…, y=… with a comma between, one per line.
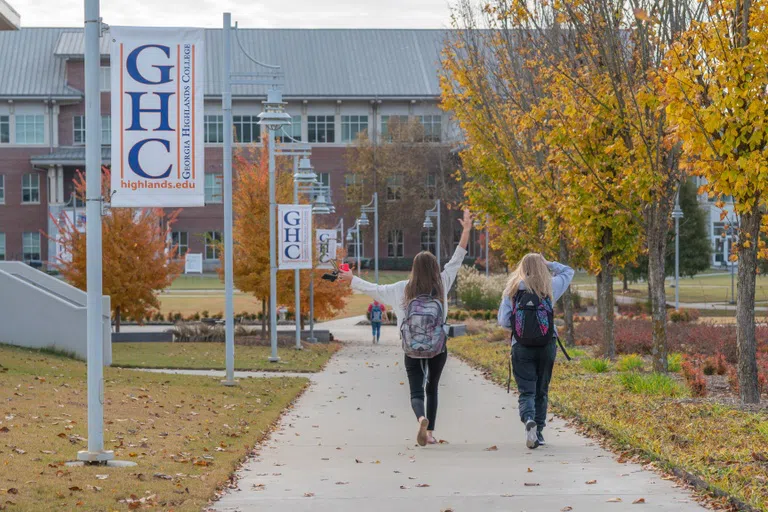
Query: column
x=51, y=186
x=60, y=184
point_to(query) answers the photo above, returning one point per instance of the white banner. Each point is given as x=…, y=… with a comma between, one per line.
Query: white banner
x=326, y=247
x=157, y=117
x=295, y=236
x=193, y=263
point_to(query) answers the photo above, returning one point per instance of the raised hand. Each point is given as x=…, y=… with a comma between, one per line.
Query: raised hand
x=466, y=222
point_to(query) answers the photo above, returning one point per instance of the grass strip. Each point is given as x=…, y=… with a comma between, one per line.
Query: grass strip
x=722, y=449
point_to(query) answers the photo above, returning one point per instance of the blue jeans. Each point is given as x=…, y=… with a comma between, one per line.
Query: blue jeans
x=532, y=368
x=376, y=326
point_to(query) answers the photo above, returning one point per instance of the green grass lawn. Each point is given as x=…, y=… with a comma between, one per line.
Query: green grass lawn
x=197, y=282
x=187, y=434
x=210, y=356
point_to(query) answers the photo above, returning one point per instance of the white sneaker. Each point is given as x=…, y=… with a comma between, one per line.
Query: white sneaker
x=531, y=435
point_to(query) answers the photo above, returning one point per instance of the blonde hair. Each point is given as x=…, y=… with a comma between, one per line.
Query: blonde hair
x=533, y=272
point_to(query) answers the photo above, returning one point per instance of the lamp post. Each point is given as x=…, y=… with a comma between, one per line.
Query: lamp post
x=320, y=207
x=677, y=214
x=273, y=118
x=434, y=212
x=356, y=230
x=372, y=207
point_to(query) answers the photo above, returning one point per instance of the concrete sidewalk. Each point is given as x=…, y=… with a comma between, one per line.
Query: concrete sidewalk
x=349, y=445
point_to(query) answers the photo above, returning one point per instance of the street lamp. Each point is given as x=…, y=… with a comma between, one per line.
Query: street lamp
x=677, y=214
x=356, y=230
x=434, y=212
x=372, y=207
x=273, y=118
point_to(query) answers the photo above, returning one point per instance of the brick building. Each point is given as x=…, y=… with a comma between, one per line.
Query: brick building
x=337, y=83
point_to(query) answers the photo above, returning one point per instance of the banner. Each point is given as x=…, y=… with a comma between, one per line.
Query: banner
x=193, y=263
x=326, y=247
x=157, y=117
x=295, y=236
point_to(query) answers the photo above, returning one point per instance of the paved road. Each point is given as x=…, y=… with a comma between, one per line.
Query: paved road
x=348, y=445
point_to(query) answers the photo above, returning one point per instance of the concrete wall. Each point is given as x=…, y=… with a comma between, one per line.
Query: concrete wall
x=41, y=311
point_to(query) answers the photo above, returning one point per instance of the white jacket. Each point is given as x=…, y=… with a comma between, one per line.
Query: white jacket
x=393, y=295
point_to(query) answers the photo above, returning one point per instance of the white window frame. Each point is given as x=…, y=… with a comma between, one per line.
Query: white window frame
x=328, y=125
x=31, y=241
x=5, y=121
x=433, y=127
x=177, y=237
x=395, y=188
x=395, y=241
x=217, y=121
x=212, y=236
x=23, y=123
x=33, y=186
x=214, y=188
x=385, y=135
x=105, y=79
x=78, y=133
x=106, y=130
x=2, y=247
x=294, y=131
x=353, y=187
x=240, y=121
x=2, y=188
x=352, y=125
x=430, y=244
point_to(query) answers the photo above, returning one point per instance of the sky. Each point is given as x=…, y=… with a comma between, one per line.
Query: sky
x=249, y=13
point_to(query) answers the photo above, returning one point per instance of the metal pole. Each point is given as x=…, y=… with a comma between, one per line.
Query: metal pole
x=95, y=336
x=487, y=254
x=376, y=234
x=296, y=275
x=733, y=284
x=312, y=338
x=229, y=281
x=438, y=233
x=677, y=262
x=272, y=246
x=359, y=247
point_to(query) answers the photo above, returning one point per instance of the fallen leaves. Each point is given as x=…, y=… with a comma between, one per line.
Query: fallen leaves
x=591, y=482
x=614, y=500
x=492, y=448
x=309, y=495
x=639, y=501
x=566, y=509
x=531, y=484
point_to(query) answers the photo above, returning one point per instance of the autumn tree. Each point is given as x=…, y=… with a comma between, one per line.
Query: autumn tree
x=330, y=298
x=718, y=102
x=409, y=168
x=138, y=258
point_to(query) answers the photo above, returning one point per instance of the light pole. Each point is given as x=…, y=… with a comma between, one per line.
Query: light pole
x=478, y=224
x=320, y=207
x=272, y=118
x=677, y=214
x=356, y=230
x=434, y=212
x=372, y=207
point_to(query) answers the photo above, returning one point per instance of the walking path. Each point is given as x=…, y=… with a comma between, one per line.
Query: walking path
x=348, y=445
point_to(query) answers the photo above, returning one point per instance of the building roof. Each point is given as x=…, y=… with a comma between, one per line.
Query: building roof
x=70, y=156
x=318, y=63
x=28, y=66
x=9, y=18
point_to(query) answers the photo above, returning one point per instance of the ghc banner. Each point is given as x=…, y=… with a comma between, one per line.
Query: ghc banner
x=295, y=236
x=326, y=247
x=157, y=117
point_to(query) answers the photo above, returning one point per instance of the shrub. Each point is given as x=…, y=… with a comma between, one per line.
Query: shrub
x=218, y=316
x=630, y=363
x=576, y=352
x=478, y=292
x=684, y=315
x=708, y=367
x=475, y=326
x=205, y=314
x=596, y=365
x=498, y=334
x=674, y=362
x=694, y=376
x=658, y=384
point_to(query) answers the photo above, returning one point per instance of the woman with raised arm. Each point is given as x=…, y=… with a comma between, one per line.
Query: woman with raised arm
x=426, y=290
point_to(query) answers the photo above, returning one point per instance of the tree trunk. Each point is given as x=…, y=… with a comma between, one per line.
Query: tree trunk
x=117, y=319
x=598, y=298
x=625, y=282
x=656, y=234
x=745, y=308
x=606, y=294
x=263, y=319
x=567, y=299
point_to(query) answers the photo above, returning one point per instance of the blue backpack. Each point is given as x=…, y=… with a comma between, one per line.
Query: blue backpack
x=376, y=313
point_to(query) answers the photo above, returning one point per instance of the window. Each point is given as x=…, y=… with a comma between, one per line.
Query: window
x=432, y=125
x=212, y=241
x=213, y=186
x=2, y=189
x=247, y=129
x=31, y=246
x=5, y=129
x=30, y=129
x=181, y=240
x=293, y=131
x=431, y=185
x=395, y=188
x=214, y=129
x=390, y=124
x=324, y=179
x=105, y=79
x=351, y=126
x=321, y=129
x=106, y=130
x=353, y=188
x=2, y=246
x=30, y=188
x=428, y=241
x=395, y=244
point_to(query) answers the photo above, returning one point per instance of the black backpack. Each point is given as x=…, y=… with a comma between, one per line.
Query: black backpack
x=533, y=319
